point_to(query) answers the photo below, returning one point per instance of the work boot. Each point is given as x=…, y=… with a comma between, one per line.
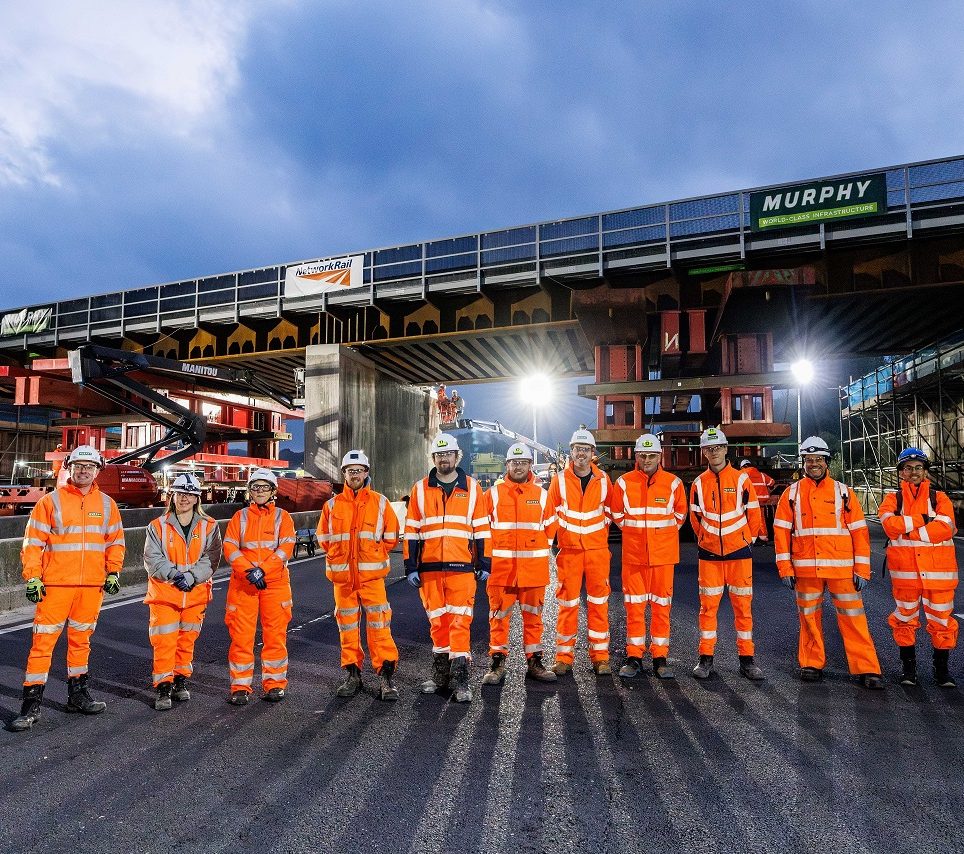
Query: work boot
x=79, y=699
x=352, y=683
x=387, y=690
x=602, y=668
x=239, y=698
x=661, y=669
x=704, y=669
x=871, y=681
x=941, y=675
x=749, y=670
x=163, y=701
x=810, y=674
x=631, y=668
x=561, y=668
x=180, y=692
x=439, y=680
x=908, y=660
x=496, y=674
x=29, y=709
x=274, y=695
x=535, y=669
x=460, y=678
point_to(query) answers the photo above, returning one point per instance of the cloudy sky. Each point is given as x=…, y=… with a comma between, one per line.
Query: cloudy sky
x=149, y=142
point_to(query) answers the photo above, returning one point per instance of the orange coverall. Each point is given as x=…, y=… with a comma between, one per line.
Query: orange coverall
x=583, y=537
x=259, y=536
x=71, y=543
x=176, y=616
x=650, y=510
x=523, y=526
x=725, y=516
x=356, y=532
x=922, y=563
x=762, y=483
x=821, y=537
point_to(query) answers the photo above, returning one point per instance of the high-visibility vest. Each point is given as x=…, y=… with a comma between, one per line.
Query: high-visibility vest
x=165, y=549
x=260, y=536
x=920, y=553
x=73, y=539
x=523, y=525
x=762, y=483
x=650, y=510
x=819, y=531
x=583, y=517
x=356, y=532
x=445, y=532
x=724, y=513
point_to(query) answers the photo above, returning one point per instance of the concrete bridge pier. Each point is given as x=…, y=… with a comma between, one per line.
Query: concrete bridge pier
x=349, y=404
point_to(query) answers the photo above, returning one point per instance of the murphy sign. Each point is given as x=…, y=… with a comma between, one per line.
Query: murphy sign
x=819, y=201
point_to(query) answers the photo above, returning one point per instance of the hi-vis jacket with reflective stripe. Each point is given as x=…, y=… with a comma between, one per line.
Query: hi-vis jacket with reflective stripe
x=356, y=532
x=73, y=539
x=260, y=536
x=650, y=511
x=583, y=517
x=445, y=533
x=523, y=525
x=920, y=551
x=724, y=513
x=819, y=531
x=166, y=553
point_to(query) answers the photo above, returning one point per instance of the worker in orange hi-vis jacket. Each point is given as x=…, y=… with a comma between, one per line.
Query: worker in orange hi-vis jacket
x=182, y=550
x=73, y=551
x=822, y=543
x=357, y=530
x=725, y=516
x=581, y=496
x=919, y=522
x=523, y=526
x=763, y=484
x=649, y=505
x=258, y=543
x=445, y=530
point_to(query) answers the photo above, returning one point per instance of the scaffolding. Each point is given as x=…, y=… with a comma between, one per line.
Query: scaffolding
x=916, y=400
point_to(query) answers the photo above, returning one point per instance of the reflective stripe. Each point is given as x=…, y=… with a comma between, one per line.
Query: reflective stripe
x=35, y=678
x=48, y=628
x=81, y=627
x=850, y=612
x=435, y=613
x=744, y=635
x=711, y=591
x=598, y=635
x=531, y=609
x=167, y=629
x=509, y=553
x=708, y=635
x=809, y=609
x=77, y=671
x=275, y=663
x=568, y=603
x=665, y=601
x=163, y=677
x=241, y=680
x=190, y=627
x=636, y=598
x=531, y=648
x=741, y=591
x=597, y=600
x=459, y=609
x=241, y=667
x=636, y=641
x=660, y=641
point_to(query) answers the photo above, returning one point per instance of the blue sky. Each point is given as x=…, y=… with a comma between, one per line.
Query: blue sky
x=144, y=143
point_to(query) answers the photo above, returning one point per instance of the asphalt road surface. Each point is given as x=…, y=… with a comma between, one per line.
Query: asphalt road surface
x=591, y=764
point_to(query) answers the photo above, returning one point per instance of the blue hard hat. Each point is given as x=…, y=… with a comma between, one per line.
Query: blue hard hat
x=912, y=455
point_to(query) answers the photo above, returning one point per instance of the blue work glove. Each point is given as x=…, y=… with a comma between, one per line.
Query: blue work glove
x=35, y=590
x=256, y=576
x=788, y=581
x=414, y=579
x=184, y=581
x=482, y=574
x=111, y=584
x=859, y=583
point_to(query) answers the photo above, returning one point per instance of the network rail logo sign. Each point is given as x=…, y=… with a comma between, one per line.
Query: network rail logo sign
x=315, y=277
x=26, y=321
x=819, y=201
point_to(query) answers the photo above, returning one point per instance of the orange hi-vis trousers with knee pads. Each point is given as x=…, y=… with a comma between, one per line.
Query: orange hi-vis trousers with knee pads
x=76, y=608
x=351, y=599
x=449, y=601
x=572, y=565
x=501, y=602
x=737, y=575
x=851, y=620
x=261, y=536
x=642, y=586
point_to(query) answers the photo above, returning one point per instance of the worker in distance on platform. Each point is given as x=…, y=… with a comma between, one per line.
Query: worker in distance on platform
x=725, y=516
x=649, y=506
x=73, y=551
x=763, y=484
x=357, y=530
x=581, y=497
x=258, y=543
x=182, y=550
x=822, y=543
x=919, y=522
x=445, y=533
x=522, y=526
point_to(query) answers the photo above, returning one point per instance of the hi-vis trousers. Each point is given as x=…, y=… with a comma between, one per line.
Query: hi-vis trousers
x=738, y=576
x=571, y=566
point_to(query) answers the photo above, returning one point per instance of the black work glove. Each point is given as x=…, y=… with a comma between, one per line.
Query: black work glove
x=35, y=590
x=859, y=583
x=788, y=581
x=184, y=581
x=111, y=584
x=256, y=576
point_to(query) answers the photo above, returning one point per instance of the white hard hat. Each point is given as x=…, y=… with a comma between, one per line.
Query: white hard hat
x=444, y=443
x=266, y=475
x=518, y=451
x=712, y=436
x=816, y=446
x=186, y=483
x=745, y=463
x=356, y=458
x=85, y=454
x=582, y=437
x=648, y=443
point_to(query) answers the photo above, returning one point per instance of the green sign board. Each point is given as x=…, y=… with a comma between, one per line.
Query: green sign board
x=819, y=201
x=719, y=268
